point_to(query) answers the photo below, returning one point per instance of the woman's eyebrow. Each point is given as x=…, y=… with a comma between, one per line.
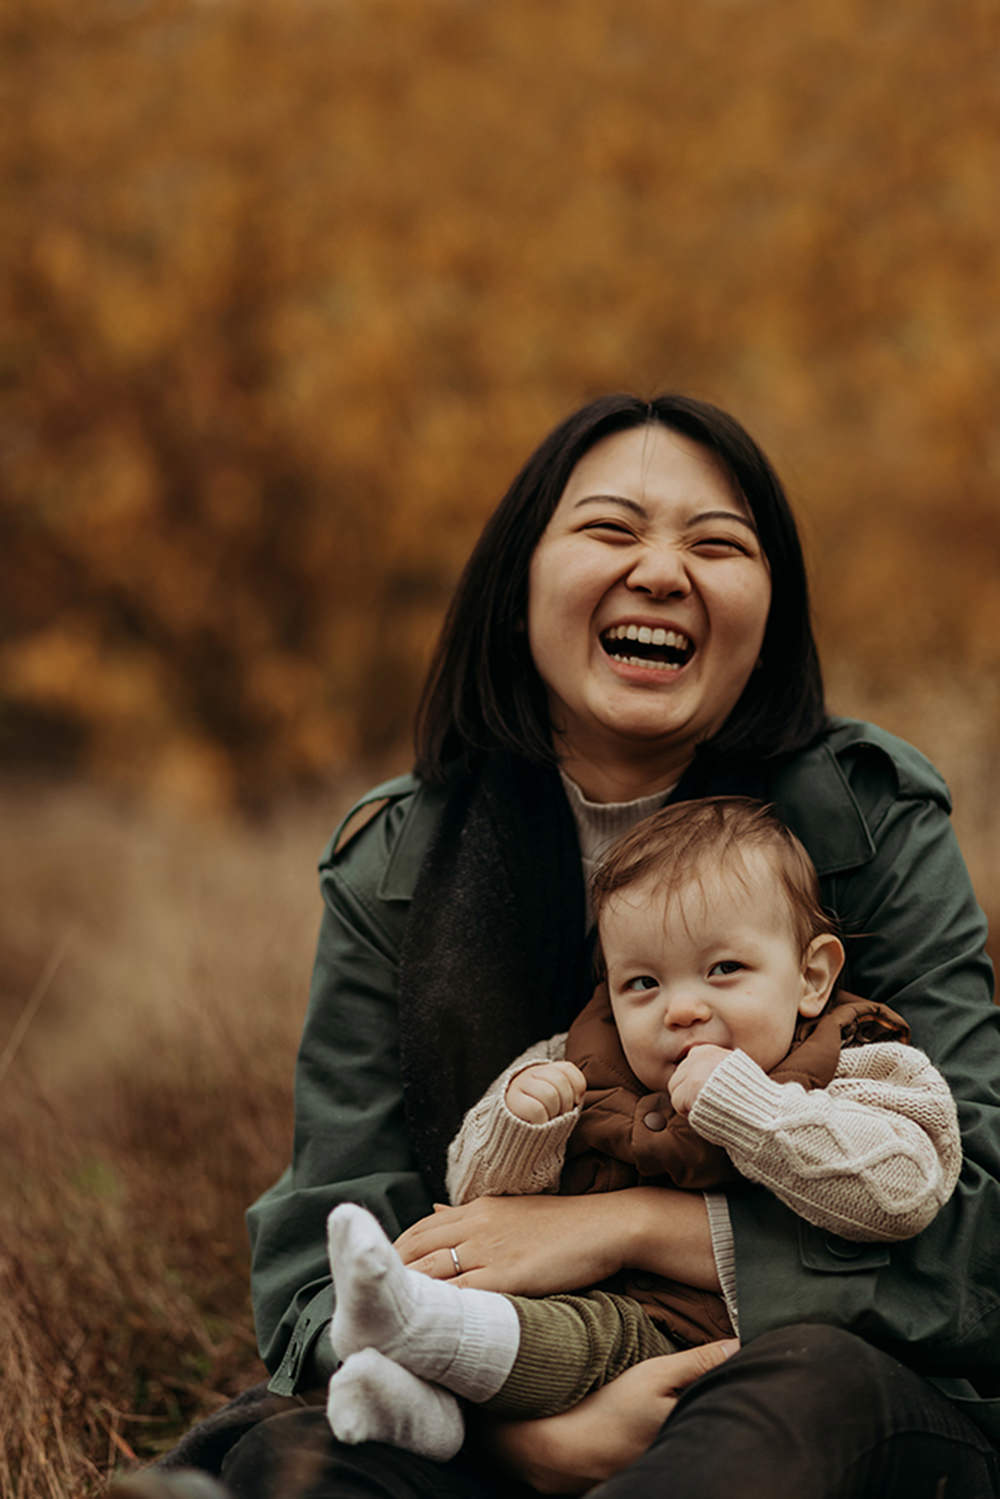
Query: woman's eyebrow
x=723, y=515
x=612, y=499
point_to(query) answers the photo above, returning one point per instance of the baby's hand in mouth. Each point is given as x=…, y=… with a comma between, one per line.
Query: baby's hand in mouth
x=692, y=1073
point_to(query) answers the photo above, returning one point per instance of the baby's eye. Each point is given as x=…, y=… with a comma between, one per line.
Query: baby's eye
x=725, y=966
x=644, y=981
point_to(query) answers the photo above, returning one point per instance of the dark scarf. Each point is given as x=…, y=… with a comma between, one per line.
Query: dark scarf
x=494, y=956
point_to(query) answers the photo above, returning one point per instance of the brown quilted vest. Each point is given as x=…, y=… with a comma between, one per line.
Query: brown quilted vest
x=627, y=1136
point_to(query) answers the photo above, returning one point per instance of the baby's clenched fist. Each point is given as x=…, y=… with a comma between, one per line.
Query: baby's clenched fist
x=545, y=1090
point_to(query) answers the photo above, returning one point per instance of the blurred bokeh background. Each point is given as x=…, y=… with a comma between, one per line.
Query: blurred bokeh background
x=288, y=290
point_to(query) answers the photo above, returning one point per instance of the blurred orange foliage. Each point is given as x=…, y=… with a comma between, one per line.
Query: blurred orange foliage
x=289, y=288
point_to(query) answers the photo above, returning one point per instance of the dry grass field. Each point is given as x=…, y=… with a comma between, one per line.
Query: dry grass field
x=154, y=979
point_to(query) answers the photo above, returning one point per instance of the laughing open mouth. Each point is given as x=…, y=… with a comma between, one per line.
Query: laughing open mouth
x=641, y=645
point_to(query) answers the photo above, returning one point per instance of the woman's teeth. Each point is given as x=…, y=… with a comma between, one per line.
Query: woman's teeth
x=665, y=649
x=648, y=636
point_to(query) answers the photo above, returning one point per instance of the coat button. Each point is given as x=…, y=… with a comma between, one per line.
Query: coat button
x=655, y=1121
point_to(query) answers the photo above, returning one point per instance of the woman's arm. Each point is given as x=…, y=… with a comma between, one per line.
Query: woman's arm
x=533, y=1246
x=350, y=1142
x=571, y=1452
x=915, y=940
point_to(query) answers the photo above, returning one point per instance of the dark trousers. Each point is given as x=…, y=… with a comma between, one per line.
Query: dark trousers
x=807, y=1412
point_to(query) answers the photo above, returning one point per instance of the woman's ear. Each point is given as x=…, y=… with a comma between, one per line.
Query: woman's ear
x=822, y=961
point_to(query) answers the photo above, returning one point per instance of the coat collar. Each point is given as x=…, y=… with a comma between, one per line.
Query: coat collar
x=810, y=790
x=399, y=879
x=813, y=796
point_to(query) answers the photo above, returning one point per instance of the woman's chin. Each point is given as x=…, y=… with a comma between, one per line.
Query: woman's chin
x=642, y=724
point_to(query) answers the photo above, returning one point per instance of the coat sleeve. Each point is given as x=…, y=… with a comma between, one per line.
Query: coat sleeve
x=495, y=1154
x=872, y=1156
x=915, y=938
x=350, y=1141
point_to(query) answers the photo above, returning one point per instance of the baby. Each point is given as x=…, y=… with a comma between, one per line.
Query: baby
x=716, y=1047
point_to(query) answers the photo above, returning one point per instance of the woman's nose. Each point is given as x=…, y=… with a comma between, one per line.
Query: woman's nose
x=660, y=572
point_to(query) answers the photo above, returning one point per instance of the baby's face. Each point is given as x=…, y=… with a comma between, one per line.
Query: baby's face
x=718, y=963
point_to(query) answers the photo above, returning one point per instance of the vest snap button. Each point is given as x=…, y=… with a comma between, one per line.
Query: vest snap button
x=655, y=1121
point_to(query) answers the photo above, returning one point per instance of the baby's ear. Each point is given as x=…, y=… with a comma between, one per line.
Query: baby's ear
x=822, y=961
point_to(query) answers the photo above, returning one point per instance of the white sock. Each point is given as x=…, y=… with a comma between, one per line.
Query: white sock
x=371, y=1399
x=462, y=1338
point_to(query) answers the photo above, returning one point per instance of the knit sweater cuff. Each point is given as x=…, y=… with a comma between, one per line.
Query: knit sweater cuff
x=522, y=1148
x=724, y=1252
x=496, y=1153
x=737, y=1103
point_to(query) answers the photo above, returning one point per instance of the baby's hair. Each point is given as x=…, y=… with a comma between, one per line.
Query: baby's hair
x=680, y=841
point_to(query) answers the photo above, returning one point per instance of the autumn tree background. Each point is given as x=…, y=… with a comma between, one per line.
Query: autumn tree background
x=288, y=290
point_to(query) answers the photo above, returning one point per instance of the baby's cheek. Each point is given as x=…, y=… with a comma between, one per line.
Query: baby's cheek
x=645, y=1061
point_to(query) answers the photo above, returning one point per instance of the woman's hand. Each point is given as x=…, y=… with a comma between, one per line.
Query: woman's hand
x=525, y=1246
x=570, y=1453
x=533, y=1246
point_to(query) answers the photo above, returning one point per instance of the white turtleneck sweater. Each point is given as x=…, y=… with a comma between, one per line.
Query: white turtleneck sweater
x=598, y=824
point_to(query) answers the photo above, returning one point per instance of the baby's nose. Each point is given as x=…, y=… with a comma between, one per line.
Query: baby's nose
x=685, y=1008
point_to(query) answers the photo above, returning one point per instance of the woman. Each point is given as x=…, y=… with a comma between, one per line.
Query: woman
x=633, y=626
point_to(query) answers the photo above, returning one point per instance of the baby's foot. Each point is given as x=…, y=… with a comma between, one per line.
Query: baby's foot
x=464, y=1339
x=379, y=1303
x=372, y=1399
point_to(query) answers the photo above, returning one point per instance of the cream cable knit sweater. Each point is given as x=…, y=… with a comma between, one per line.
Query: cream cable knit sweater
x=873, y=1156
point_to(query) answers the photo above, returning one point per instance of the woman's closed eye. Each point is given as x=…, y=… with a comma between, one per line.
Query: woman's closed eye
x=725, y=967
x=610, y=530
x=717, y=546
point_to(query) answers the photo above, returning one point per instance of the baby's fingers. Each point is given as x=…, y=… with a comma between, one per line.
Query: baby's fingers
x=524, y=1102
x=569, y=1084
x=542, y=1093
x=575, y=1081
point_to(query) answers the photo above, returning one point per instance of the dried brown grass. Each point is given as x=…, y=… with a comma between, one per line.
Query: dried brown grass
x=163, y=966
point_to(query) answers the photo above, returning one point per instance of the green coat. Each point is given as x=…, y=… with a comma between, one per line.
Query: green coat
x=873, y=814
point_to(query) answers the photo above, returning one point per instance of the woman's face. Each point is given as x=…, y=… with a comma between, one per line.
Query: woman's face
x=648, y=598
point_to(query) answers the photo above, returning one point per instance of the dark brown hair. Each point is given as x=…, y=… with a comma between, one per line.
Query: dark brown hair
x=678, y=842
x=483, y=691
